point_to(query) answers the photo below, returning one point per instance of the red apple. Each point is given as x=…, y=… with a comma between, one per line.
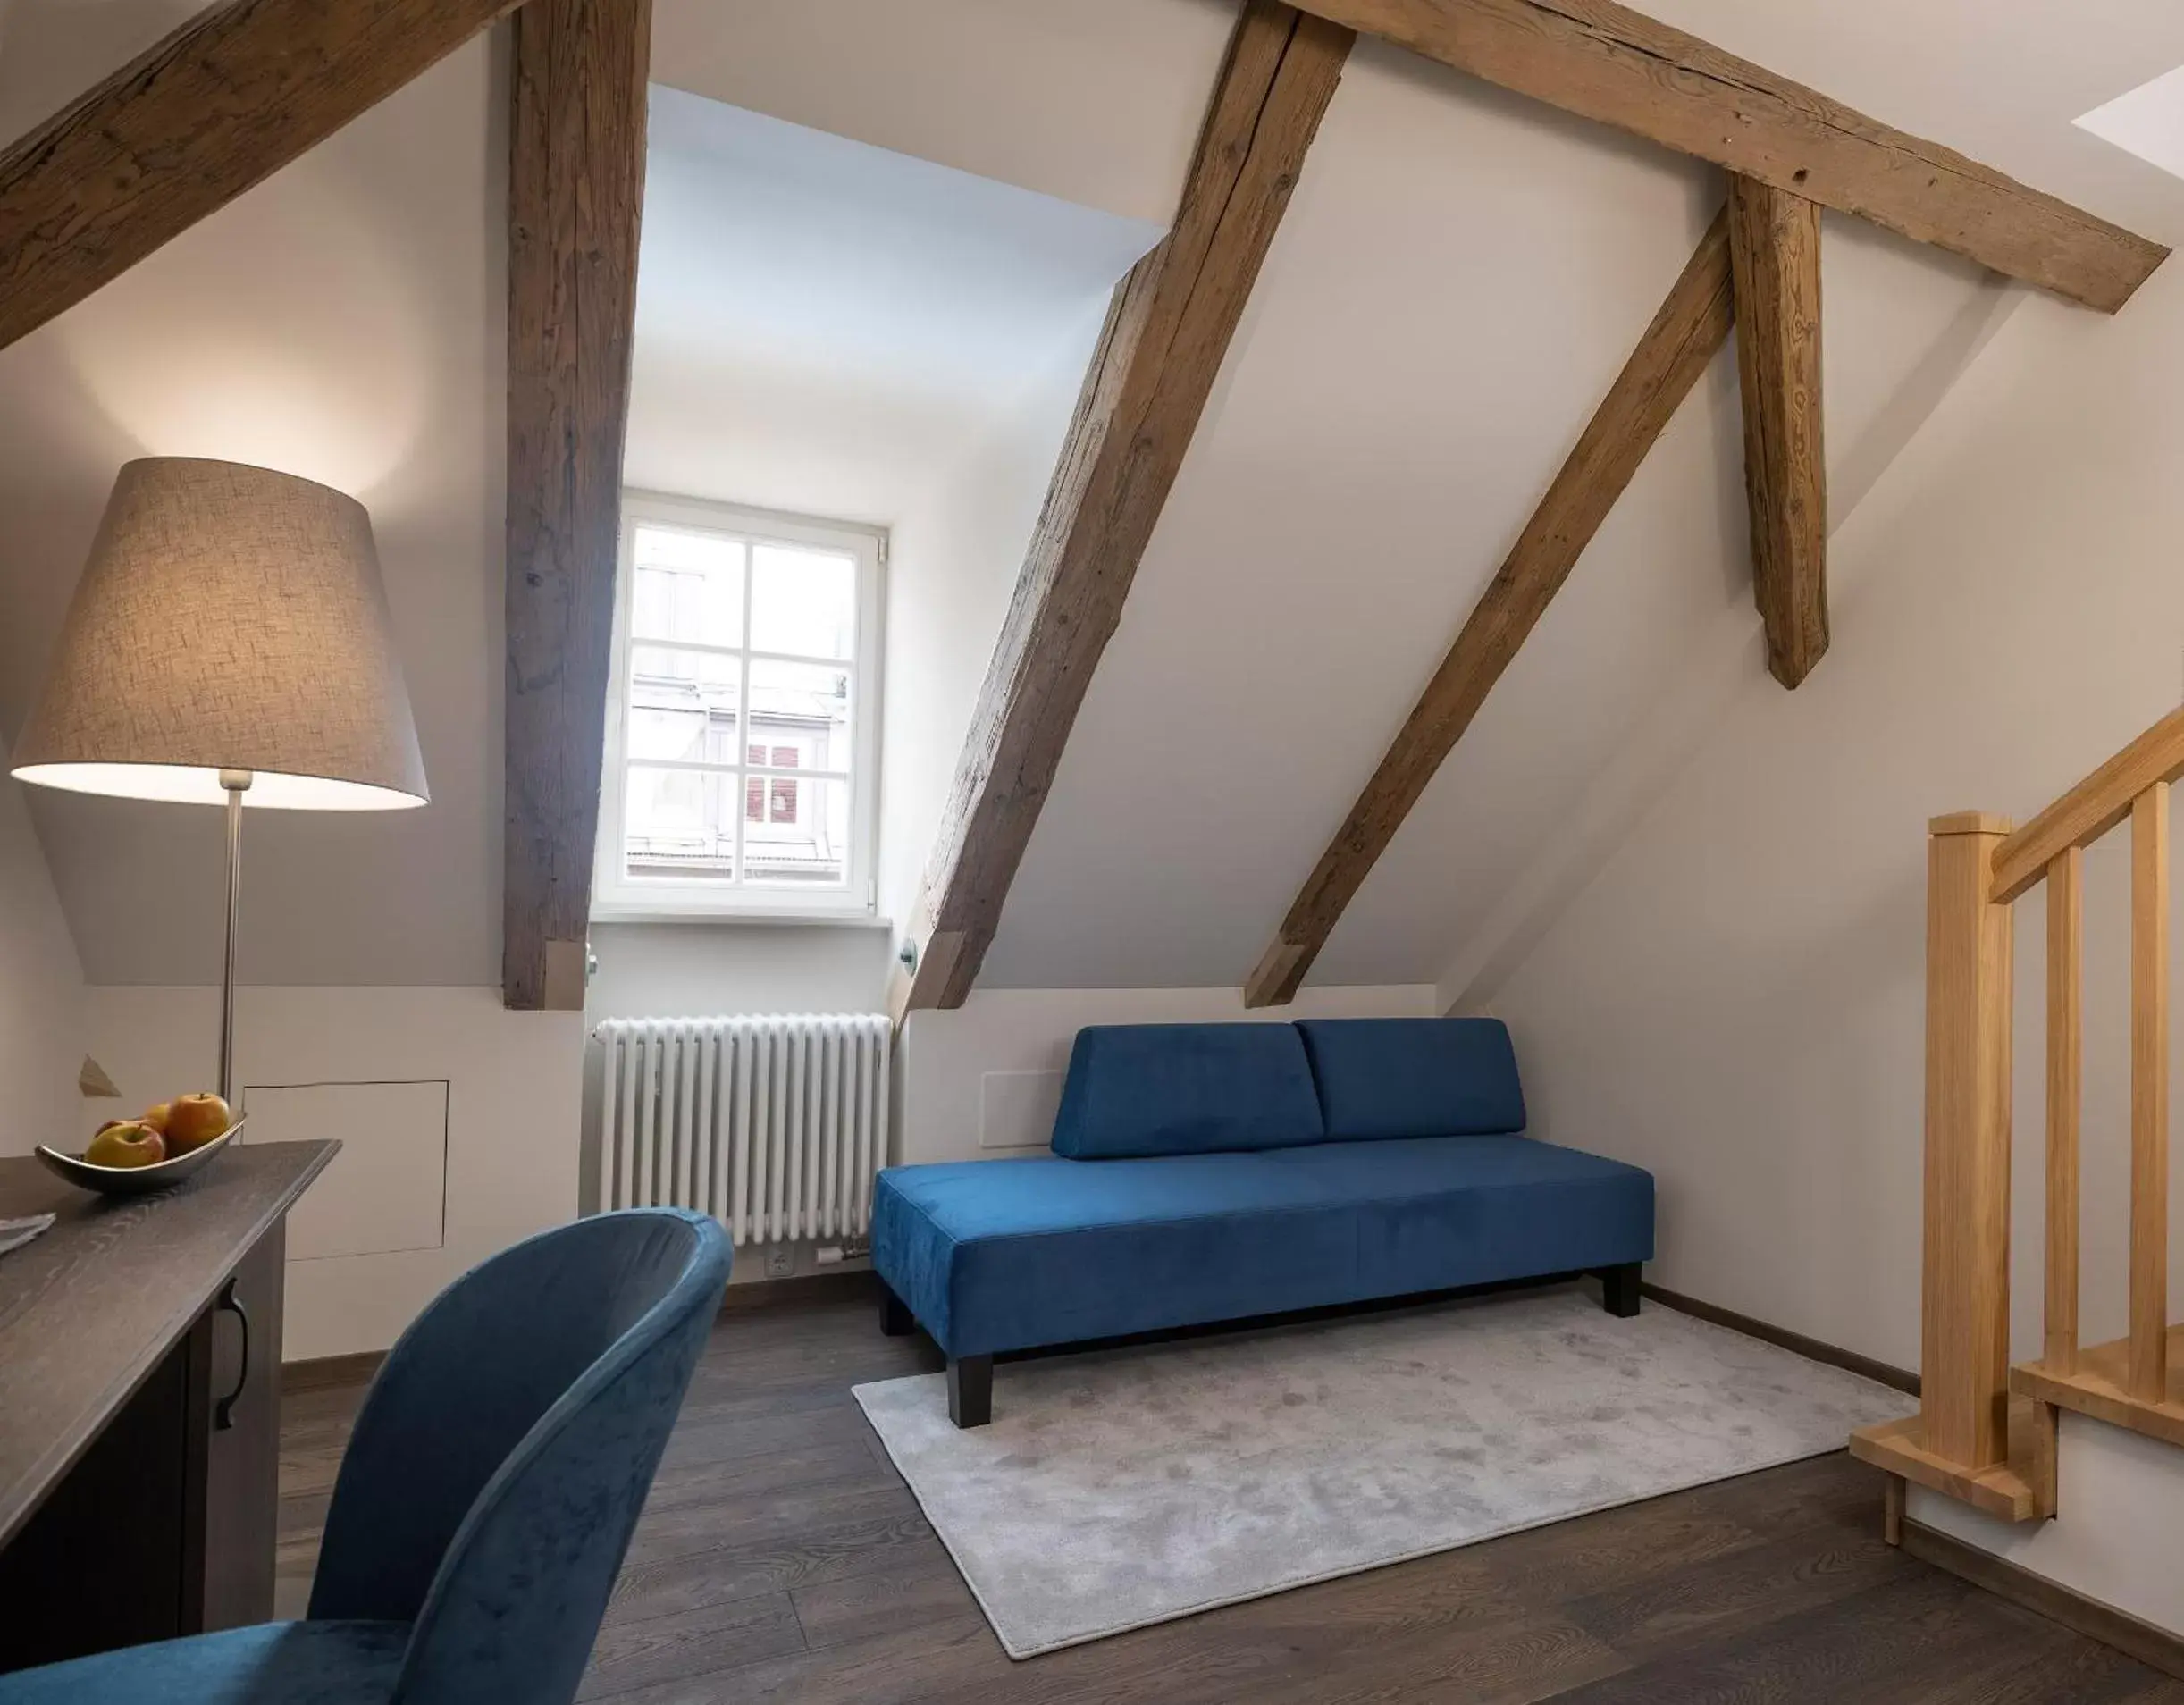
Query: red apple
x=130, y=1143
x=194, y=1121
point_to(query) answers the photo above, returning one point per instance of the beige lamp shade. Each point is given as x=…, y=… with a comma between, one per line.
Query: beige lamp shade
x=231, y=617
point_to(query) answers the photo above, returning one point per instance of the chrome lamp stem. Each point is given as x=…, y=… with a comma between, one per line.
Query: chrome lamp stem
x=237, y=782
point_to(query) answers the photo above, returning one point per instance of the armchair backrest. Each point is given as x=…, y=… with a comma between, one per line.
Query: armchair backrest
x=504, y=1452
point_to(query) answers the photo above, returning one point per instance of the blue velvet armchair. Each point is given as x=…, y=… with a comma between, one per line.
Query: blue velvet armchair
x=488, y=1493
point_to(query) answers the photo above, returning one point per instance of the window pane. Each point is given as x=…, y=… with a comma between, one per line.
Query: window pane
x=689, y=586
x=803, y=602
x=679, y=824
x=795, y=832
x=800, y=716
x=683, y=705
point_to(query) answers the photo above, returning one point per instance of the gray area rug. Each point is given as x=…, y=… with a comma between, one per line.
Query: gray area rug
x=1125, y=1486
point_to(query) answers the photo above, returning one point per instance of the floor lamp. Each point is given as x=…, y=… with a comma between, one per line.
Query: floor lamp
x=228, y=644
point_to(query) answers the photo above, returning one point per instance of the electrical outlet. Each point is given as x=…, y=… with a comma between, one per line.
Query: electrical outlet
x=781, y=1262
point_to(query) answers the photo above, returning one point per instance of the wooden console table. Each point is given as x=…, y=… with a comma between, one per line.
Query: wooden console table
x=140, y=1405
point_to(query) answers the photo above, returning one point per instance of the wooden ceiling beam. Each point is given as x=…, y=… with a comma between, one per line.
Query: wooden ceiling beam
x=576, y=195
x=223, y=102
x=1167, y=331
x=1690, y=328
x=1774, y=258
x=1607, y=62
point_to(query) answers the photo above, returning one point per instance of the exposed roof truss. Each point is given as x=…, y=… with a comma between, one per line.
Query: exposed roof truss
x=245, y=87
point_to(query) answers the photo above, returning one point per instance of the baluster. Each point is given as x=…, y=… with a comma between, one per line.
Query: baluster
x=2149, y=1301
x=2065, y=1078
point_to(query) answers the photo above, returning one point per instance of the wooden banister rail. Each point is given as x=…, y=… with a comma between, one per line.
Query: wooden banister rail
x=2092, y=808
x=1968, y=1439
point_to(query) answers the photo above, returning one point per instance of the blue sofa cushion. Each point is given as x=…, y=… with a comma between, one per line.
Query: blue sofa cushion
x=1140, y=1090
x=1387, y=1078
x=1007, y=1255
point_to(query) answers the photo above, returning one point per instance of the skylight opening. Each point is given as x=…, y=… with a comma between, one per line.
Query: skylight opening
x=2148, y=121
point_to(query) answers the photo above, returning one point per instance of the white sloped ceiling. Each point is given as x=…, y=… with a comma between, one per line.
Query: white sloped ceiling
x=1458, y=278
x=1460, y=275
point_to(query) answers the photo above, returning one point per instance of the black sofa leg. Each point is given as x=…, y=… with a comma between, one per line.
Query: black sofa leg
x=971, y=1390
x=1619, y=1290
x=895, y=1319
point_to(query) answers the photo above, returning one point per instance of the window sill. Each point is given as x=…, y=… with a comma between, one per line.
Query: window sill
x=669, y=913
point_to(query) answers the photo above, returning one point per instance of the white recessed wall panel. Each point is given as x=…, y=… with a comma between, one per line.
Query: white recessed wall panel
x=431, y=1090
x=1017, y=1108
x=386, y=1192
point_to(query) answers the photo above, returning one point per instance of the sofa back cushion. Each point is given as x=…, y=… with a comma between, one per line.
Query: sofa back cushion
x=1138, y=1089
x=1414, y=1077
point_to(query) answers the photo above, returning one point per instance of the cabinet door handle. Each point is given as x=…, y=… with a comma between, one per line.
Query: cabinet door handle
x=223, y=1411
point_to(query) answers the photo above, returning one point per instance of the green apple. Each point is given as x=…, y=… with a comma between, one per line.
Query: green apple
x=129, y=1143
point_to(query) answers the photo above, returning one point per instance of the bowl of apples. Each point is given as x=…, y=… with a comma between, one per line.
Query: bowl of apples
x=154, y=1151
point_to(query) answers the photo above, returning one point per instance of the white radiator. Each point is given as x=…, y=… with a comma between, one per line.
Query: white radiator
x=775, y=1125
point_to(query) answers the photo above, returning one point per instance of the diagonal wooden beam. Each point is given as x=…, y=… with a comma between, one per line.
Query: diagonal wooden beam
x=1607, y=62
x=227, y=99
x=576, y=191
x=1167, y=330
x=1690, y=328
x=1774, y=257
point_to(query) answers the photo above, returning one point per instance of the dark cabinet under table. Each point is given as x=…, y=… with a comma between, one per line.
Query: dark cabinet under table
x=140, y=1405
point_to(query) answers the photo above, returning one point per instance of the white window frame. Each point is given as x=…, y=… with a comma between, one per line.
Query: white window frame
x=615, y=896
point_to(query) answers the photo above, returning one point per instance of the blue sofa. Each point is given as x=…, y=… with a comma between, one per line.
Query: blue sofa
x=1209, y=1172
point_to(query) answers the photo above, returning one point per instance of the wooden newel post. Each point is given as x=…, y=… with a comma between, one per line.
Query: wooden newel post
x=1965, y=1349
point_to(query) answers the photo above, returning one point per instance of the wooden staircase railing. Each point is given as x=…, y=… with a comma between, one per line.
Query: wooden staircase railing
x=1985, y=1431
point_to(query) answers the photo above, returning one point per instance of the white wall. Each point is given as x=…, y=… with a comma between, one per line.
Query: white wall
x=703, y=971
x=344, y=321
x=510, y=1150
x=1458, y=277
x=828, y=328
x=951, y=569
x=1737, y=1001
x=42, y=1031
x=982, y=1082
x=2116, y=1537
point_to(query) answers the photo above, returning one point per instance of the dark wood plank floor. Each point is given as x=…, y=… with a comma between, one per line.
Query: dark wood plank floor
x=781, y=1558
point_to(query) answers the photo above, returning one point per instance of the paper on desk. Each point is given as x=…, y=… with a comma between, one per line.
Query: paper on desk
x=15, y=1233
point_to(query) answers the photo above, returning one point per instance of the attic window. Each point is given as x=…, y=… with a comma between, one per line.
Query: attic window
x=742, y=716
